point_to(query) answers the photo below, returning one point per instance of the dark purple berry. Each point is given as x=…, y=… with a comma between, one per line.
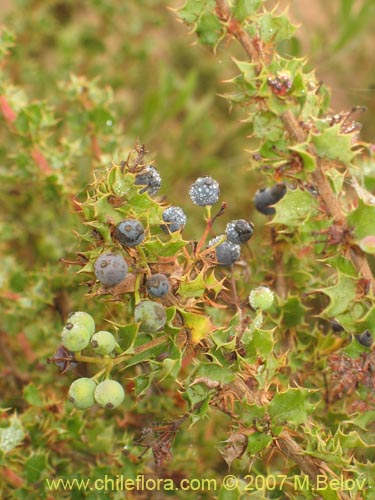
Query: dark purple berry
x=226, y=252
x=365, y=338
x=239, y=231
x=175, y=219
x=150, y=178
x=129, y=232
x=205, y=191
x=110, y=269
x=266, y=197
x=158, y=285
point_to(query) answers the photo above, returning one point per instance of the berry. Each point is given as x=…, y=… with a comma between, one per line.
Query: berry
x=103, y=342
x=151, y=315
x=204, y=191
x=129, y=232
x=239, y=231
x=365, y=338
x=109, y=394
x=82, y=318
x=81, y=393
x=110, y=269
x=175, y=218
x=266, y=197
x=226, y=252
x=158, y=285
x=75, y=337
x=261, y=298
x=150, y=178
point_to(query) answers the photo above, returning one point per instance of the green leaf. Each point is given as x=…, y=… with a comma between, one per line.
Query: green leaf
x=293, y=312
x=193, y=9
x=212, y=371
x=12, y=435
x=258, y=442
x=34, y=467
x=291, y=406
x=127, y=335
x=198, y=324
x=267, y=126
x=294, y=208
x=158, y=248
x=341, y=296
x=334, y=145
x=32, y=396
x=308, y=160
x=245, y=8
x=261, y=344
x=209, y=29
x=362, y=219
x=336, y=178
x=275, y=28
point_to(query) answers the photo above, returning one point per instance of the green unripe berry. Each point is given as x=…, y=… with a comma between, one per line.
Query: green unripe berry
x=261, y=298
x=109, y=394
x=82, y=318
x=103, y=342
x=75, y=337
x=81, y=393
x=151, y=315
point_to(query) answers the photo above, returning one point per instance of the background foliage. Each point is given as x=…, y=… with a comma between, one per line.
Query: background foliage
x=80, y=83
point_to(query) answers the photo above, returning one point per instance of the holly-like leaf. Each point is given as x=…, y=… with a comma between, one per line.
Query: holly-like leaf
x=275, y=28
x=341, y=296
x=291, y=406
x=334, y=145
x=12, y=435
x=293, y=312
x=245, y=8
x=308, y=160
x=362, y=220
x=294, y=208
x=199, y=325
x=258, y=442
x=212, y=371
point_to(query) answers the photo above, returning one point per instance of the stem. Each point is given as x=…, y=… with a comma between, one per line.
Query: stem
x=137, y=283
x=252, y=47
x=206, y=231
x=88, y=359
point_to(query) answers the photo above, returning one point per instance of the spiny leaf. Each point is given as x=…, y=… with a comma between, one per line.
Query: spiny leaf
x=341, y=296
x=294, y=208
x=291, y=406
x=334, y=145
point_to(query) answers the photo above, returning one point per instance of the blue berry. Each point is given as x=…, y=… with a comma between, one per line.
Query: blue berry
x=81, y=393
x=109, y=394
x=129, y=232
x=239, y=231
x=205, y=191
x=365, y=338
x=266, y=197
x=151, y=315
x=175, y=219
x=158, y=285
x=110, y=269
x=150, y=178
x=226, y=252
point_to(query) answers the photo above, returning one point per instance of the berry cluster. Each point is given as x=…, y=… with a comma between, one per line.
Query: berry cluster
x=78, y=334
x=129, y=264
